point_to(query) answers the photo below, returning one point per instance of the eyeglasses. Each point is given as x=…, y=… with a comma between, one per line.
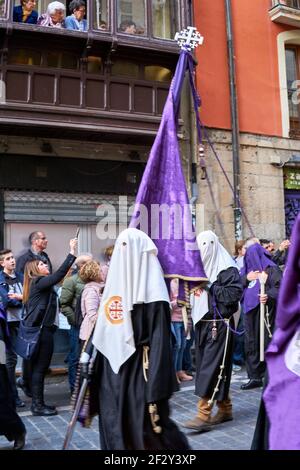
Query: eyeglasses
x=42, y=238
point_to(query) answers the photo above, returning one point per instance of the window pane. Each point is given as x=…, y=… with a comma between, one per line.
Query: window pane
x=291, y=75
x=122, y=67
x=24, y=57
x=164, y=18
x=131, y=16
x=2, y=8
x=94, y=64
x=157, y=73
x=26, y=13
x=65, y=60
x=101, y=15
x=52, y=17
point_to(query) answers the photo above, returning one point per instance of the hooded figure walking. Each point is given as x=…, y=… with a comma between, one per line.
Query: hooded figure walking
x=256, y=261
x=134, y=369
x=212, y=313
x=281, y=398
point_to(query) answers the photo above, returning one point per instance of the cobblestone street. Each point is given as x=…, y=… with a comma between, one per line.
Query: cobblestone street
x=48, y=433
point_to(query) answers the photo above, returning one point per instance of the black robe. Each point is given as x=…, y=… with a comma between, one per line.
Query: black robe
x=260, y=439
x=227, y=291
x=256, y=368
x=11, y=426
x=124, y=397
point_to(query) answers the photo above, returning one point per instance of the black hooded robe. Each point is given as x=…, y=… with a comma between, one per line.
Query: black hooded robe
x=256, y=368
x=227, y=291
x=124, y=397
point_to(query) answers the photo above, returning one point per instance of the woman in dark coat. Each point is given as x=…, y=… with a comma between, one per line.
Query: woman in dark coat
x=41, y=305
x=11, y=425
x=212, y=313
x=256, y=261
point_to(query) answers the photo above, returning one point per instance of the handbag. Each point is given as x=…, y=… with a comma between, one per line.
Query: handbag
x=28, y=338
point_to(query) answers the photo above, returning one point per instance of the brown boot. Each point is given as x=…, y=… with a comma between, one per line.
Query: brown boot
x=197, y=425
x=224, y=412
x=201, y=422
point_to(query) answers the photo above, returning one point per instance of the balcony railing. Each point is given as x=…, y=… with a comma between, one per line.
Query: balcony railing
x=285, y=11
x=287, y=3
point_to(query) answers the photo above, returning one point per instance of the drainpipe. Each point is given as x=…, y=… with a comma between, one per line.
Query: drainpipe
x=234, y=124
x=193, y=137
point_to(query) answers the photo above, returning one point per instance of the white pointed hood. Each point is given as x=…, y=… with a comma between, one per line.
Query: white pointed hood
x=134, y=277
x=214, y=256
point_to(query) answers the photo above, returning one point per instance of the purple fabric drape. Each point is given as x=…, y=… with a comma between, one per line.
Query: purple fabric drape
x=163, y=185
x=255, y=259
x=4, y=334
x=282, y=395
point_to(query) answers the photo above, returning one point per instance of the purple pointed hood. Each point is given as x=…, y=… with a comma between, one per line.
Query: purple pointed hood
x=256, y=259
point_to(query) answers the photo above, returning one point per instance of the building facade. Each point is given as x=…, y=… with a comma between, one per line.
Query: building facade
x=266, y=37
x=79, y=111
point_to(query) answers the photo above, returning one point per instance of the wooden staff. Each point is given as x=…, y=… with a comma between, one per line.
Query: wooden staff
x=262, y=279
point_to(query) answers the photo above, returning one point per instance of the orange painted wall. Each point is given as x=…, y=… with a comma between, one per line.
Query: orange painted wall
x=255, y=40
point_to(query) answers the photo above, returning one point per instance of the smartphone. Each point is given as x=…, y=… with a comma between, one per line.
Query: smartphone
x=77, y=232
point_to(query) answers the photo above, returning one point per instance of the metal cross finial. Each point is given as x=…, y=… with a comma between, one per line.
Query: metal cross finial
x=189, y=38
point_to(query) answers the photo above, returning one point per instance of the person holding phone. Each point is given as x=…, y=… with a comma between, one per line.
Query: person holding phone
x=41, y=308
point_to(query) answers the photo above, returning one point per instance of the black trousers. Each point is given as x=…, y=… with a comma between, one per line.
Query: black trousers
x=40, y=364
x=11, y=425
x=11, y=357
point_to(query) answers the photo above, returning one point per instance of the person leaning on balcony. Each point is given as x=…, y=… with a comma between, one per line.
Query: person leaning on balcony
x=54, y=17
x=25, y=12
x=76, y=20
x=127, y=26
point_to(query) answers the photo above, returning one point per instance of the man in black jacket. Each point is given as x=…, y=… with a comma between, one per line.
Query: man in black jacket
x=38, y=243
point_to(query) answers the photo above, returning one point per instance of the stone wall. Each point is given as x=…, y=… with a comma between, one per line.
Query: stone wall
x=262, y=191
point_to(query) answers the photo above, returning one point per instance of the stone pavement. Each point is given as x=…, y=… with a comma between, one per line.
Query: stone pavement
x=48, y=433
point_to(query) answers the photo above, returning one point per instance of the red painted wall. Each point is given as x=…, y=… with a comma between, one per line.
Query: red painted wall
x=255, y=40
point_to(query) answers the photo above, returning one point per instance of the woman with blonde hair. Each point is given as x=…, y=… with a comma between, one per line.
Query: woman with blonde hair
x=41, y=309
x=90, y=274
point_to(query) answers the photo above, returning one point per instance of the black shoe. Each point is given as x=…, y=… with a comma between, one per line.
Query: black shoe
x=41, y=410
x=20, y=403
x=253, y=383
x=21, y=384
x=50, y=407
x=20, y=442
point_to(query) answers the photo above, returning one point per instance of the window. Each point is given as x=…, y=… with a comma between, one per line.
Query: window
x=292, y=74
x=94, y=64
x=123, y=67
x=64, y=60
x=131, y=17
x=101, y=15
x=164, y=18
x=2, y=8
x=157, y=73
x=24, y=57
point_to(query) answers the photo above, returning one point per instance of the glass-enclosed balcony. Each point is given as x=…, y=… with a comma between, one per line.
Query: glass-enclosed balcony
x=285, y=11
x=131, y=21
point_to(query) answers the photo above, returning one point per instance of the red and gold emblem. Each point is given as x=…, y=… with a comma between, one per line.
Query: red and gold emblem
x=114, y=310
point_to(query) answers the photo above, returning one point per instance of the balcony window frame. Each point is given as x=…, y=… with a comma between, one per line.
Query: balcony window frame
x=147, y=41
x=5, y=17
